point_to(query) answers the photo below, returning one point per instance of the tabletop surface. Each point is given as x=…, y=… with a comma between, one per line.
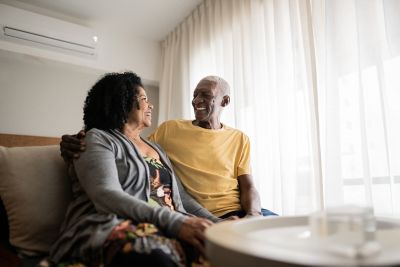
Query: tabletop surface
x=287, y=239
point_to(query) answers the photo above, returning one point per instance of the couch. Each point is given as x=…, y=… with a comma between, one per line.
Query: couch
x=34, y=194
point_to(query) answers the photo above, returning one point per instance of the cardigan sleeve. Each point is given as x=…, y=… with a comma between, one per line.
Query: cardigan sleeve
x=98, y=175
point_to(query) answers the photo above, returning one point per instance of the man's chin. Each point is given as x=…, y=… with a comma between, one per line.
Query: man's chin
x=200, y=118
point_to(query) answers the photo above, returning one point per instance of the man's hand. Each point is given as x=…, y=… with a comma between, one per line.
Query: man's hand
x=71, y=146
x=192, y=231
x=252, y=214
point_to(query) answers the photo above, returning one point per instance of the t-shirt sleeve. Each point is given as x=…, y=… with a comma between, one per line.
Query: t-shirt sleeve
x=243, y=166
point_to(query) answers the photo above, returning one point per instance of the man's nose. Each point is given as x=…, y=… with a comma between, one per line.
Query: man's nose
x=197, y=100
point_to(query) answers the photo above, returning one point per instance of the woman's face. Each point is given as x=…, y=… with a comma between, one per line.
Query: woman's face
x=142, y=116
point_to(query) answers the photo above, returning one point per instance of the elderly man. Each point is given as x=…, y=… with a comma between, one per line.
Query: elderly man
x=211, y=159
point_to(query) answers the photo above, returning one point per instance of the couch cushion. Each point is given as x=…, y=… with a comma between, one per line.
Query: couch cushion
x=35, y=190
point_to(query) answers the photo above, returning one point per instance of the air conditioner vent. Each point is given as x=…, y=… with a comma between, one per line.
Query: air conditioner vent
x=34, y=29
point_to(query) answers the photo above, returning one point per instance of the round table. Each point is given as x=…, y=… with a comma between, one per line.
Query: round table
x=286, y=241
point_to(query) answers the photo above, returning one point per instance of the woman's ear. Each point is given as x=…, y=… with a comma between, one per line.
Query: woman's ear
x=225, y=100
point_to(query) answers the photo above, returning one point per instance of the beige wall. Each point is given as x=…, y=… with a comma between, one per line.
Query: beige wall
x=44, y=97
x=116, y=50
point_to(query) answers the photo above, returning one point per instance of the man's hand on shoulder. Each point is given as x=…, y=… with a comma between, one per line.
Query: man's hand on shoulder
x=72, y=145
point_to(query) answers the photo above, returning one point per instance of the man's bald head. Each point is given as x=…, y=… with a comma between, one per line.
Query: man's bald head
x=220, y=83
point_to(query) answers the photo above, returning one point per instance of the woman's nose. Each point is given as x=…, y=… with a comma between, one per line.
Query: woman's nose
x=151, y=106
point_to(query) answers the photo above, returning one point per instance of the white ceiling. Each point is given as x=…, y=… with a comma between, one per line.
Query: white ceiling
x=149, y=19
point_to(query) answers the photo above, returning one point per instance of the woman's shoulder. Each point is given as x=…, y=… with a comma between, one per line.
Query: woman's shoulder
x=95, y=135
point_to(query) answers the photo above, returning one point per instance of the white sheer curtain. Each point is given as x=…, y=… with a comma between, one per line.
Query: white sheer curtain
x=358, y=52
x=279, y=76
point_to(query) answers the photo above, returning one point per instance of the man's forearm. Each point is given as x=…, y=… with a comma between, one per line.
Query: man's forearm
x=250, y=201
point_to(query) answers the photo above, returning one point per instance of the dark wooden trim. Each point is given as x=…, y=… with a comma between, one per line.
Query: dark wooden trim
x=11, y=140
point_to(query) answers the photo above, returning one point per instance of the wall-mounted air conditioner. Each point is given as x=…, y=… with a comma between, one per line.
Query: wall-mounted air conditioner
x=28, y=28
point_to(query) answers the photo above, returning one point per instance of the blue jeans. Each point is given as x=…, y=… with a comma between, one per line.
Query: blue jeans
x=266, y=212
x=242, y=213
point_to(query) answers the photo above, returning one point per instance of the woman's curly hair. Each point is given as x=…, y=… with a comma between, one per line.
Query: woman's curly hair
x=110, y=100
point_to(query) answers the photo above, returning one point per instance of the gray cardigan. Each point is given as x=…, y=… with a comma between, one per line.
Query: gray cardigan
x=110, y=182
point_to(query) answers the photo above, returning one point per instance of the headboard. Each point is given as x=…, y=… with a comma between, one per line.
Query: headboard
x=11, y=140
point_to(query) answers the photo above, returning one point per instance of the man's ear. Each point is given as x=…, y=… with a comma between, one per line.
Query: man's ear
x=225, y=100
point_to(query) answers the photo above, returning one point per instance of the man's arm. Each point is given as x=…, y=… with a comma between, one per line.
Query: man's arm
x=249, y=197
x=72, y=145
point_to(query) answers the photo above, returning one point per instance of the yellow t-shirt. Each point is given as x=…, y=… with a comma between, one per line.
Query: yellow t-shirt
x=208, y=162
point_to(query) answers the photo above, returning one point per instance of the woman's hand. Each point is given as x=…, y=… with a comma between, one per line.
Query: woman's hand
x=71, y=146
x=192, y=231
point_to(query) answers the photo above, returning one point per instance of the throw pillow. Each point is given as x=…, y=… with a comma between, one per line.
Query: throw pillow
x=35, y=190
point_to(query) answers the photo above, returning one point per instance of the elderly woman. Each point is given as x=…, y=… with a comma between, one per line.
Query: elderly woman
x=128, y=206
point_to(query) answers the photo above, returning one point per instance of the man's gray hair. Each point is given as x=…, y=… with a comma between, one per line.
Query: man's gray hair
x=220, y=83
